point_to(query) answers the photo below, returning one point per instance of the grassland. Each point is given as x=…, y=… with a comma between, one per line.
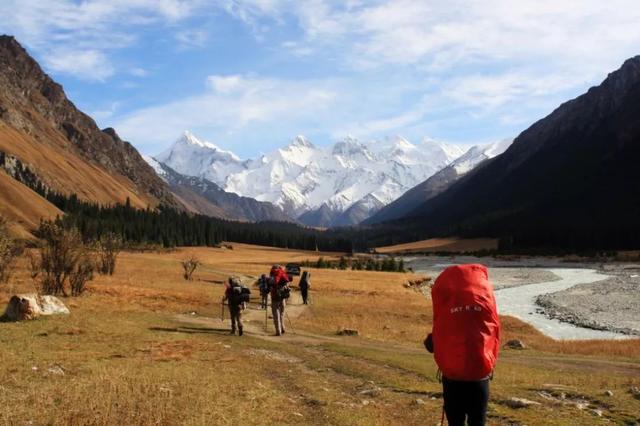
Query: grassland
x=442, y=245
x=147, y=347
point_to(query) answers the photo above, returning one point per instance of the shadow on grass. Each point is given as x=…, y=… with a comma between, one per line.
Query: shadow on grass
x=191, y=330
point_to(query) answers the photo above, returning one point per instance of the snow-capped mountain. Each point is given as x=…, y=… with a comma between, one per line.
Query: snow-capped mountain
x=203, y=196
x=438, y=182
x=192, y=157
x=302, y=178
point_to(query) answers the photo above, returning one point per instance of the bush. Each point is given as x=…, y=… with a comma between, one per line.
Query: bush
x=190, y=265
x=64, y=261
x=109, y=247
x=9, y=250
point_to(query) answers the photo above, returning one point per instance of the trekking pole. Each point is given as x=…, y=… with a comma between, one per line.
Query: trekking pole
x=222, y=311
x=266, y=318
x=289, y=319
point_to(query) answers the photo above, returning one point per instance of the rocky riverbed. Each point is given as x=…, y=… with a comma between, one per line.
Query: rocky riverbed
x=563, y=299
x=612, y=304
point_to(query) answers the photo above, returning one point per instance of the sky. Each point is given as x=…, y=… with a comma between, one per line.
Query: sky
x=250, y=75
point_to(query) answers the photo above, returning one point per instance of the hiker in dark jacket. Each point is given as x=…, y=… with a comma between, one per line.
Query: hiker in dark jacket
x=305, y=284
x=279, y=293
x=263, y=285
x=235, y=305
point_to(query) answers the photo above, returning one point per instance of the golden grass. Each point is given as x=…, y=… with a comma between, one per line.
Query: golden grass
x=59, y=167
x=450, y=245
x=23, y=206
x=128, y=359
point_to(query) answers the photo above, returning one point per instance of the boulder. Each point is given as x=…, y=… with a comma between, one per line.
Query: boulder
x=515, y=344
x=23, y=307
x=519, y=402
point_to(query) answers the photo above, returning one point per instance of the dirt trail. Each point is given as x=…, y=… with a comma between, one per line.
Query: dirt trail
x=254, y=324
x=259, y=323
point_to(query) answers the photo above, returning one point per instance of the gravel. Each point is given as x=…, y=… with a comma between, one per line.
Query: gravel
x=611, y=305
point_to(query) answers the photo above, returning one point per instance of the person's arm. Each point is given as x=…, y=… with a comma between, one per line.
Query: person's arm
x=428, y=343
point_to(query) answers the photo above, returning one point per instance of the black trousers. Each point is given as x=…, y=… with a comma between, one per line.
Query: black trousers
x=305, y=294
x=465, y=400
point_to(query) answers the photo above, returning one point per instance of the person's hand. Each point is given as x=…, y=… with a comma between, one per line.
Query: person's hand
x=428, y=343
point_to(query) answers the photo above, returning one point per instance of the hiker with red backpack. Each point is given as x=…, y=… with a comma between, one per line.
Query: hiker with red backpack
x=280, y=292
x=465, y=341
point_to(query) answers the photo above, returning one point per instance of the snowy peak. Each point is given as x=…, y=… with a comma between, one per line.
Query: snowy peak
x=302, y=142
x=156, y=166
x=303, y=178
x=192, y=157
x=351, y=148
x=188, y=141
x=479, y=153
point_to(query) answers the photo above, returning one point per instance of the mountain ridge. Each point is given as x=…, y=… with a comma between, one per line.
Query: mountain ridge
x=41, y=126
x=205, y=197
x=569, y=180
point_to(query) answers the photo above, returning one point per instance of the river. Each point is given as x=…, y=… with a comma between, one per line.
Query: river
x=519, y=300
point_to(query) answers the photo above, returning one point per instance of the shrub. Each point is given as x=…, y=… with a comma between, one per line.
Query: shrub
x=109, y=247
x=64, y=260
x=9, y=250
x=190, y=265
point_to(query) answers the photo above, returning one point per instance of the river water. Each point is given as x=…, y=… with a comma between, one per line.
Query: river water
x=519, y=301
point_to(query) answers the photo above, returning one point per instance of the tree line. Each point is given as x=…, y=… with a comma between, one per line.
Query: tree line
x=385, y=264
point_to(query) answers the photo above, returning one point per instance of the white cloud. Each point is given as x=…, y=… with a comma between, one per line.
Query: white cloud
x=233, y=103
x=192, y=38
x=138, y=72
x=226, y=84
x=104, y=114
x=92, y=29
x=85, y=64
x=490, y=91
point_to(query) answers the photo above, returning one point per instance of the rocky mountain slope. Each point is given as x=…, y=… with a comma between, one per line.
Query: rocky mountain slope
x=317, y=185
x=570, y=180
x=62, y=145
x=439, y=182
x=202, y=196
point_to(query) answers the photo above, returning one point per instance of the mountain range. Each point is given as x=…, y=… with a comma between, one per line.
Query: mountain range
x=571, y=180
x=202, y=196
x=439, y=182
x=338, y=185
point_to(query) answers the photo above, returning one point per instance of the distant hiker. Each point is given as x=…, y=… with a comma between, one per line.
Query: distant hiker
x=236, y=295
x=465, y=340
x=263, y=285
x=305, y=284
x=279, y=294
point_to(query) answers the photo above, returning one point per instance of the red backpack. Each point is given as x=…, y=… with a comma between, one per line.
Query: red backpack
x=466, y=328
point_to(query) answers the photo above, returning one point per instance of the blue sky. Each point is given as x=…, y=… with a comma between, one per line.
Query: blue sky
x=250, y=75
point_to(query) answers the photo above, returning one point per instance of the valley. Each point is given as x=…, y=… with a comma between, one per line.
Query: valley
x=374, y=218
x=153, y=346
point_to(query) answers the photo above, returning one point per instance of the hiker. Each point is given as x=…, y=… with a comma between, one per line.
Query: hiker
x=236, y=295
x=263, y=285
x=305, y=284
x=464, y=340
x=279, y=294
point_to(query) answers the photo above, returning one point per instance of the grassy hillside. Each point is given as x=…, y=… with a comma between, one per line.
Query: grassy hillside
x=145, y=346
x=435, y=245
x=60, y=168
x=23, y=206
